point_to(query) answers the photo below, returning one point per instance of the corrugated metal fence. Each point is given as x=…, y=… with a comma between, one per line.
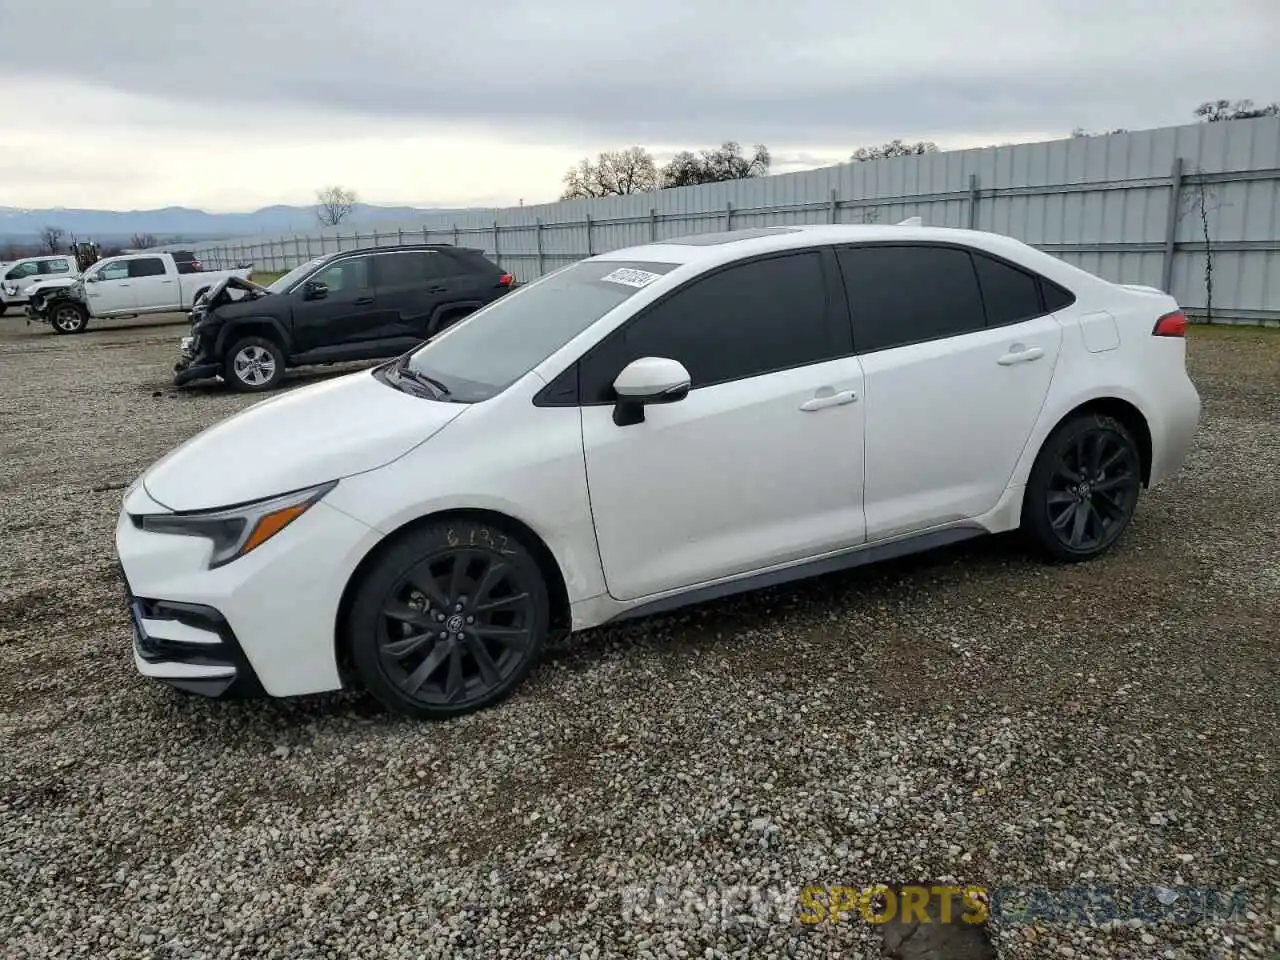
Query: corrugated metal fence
x=1168, y=208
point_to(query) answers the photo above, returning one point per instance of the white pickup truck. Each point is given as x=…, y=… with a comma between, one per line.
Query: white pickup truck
x=127, y=286
x=16, y=277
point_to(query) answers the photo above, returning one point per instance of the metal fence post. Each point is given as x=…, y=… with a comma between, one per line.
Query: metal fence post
x=653, y=224
x=590, y=252
x=399, y=236
x=974, y=196
x=538, y=236
x=1171, y=225
x=455, y=234
x=728, y=215
x=426, y=234
x=833, y=214
x=497, y=254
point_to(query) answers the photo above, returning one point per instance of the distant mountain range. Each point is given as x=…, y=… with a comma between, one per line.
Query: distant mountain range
x=183, y=223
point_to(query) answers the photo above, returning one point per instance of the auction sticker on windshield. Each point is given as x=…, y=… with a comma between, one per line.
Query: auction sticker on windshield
x=631, y=277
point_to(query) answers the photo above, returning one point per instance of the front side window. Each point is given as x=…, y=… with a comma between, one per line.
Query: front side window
x=903, y=294
x=346, y=275
x=285, y=283
x=743, y=321
x=488, y=351
x=22, y=270
x=146, y=267
x=114, y=271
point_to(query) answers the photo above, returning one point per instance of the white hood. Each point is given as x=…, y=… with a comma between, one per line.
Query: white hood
x=297, y=439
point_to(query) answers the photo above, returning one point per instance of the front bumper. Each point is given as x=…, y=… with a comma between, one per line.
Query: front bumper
x=265, y=623
x=192, y=364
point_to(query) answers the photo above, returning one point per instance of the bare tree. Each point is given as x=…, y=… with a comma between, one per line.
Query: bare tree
x=1080, y=132
x=142, y=241
x=334, y=204
x=1213, y=111
x=615, y=173
x=51, y=238
x=725, y=162
x=894, y=148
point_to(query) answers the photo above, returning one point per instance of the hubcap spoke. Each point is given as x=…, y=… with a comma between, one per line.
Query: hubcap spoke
x=414, y=681
x=1113, y=483
x=488, y=669
x=514, y=637
x=492, y=577
x=500, y=603
x=1065, y=517
x=402, y=648
x=454, y=684
x=1079, y=526
x=406, y=614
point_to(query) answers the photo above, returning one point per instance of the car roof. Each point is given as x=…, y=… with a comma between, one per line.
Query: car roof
x=702, y=251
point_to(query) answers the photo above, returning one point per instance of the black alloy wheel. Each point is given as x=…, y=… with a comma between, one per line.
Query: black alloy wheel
x=1084, y=488
x=450, y=620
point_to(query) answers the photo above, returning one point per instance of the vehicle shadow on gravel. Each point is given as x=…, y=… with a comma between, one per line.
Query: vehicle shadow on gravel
x=293, y=379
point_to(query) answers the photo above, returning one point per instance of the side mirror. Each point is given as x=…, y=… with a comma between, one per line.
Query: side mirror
x=315, y=290
x=92, y=278
x=645, y=381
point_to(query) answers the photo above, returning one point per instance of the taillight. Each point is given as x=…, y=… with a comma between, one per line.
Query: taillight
x=506, y=280
x=1171, y=325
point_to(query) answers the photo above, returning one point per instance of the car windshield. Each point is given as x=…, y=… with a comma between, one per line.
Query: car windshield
x=282, y=284
x=492, y=348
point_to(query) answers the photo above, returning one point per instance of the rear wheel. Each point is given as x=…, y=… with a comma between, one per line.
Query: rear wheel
x=68, y=317
x=253, y=364
x=1083, y=489
x=449, y=619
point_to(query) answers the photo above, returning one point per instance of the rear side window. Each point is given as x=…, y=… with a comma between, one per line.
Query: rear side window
x=909, y=294
x=743, y=321
x=469, y=261
x=55, y=266
x=1055, y=297
x=146, y=267
x=400, y=269
x=1009, y=294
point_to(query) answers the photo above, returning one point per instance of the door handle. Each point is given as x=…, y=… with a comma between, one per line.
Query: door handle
x=166, y=281
x=364, y=301
x=826, y=397
x=437, y=290
x=1019, y=353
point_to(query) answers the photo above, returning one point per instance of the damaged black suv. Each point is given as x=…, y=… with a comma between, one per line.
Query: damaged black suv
x=356, y=305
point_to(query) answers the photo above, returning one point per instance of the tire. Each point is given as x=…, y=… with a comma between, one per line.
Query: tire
x=68, y=317
x=448, y=619
x=1083, y=489
x=3, y=307
x=253, y=364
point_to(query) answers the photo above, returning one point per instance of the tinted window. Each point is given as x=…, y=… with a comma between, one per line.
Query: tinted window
x=282, y=284
x=55, y=266
x=114, y=271
x=908, y=294
x=1056, y=298
x=347, y=275
x=469, y=261
x=1008, y=294
x=396, y=269
x=501, y=342
x=22, y=270
x=146, y=267
x=743, y=321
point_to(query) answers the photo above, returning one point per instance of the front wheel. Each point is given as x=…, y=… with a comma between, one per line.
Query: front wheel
x=253, y=364
x=449, y=619
x=1083, y=489
x=68, y=317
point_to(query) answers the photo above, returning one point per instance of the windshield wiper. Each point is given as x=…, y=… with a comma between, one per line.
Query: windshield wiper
x=404, y=372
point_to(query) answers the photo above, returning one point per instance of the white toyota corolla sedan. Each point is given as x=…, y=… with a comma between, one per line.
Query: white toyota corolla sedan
x=645, y=429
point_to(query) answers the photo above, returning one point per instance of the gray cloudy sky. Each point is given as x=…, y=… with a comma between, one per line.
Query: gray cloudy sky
x=231, y=104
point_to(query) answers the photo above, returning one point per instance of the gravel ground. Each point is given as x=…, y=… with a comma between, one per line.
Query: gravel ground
x=969, y=715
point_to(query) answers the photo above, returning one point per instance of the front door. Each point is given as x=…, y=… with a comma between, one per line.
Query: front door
x=345, y=315
x=113, y=290
x=746, y=472
x=958, y=355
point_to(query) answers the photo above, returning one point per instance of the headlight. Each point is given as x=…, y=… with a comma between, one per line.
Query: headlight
x=234, y=531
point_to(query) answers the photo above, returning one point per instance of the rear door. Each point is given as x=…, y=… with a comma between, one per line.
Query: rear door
x=958, y=353
x=410, y=285
x=155, y=289
x=346, y=315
